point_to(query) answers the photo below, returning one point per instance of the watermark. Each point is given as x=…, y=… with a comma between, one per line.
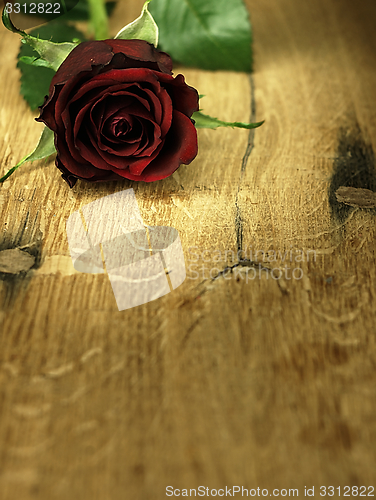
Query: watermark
x=204, y=491
x=30, y=13
x=237, y=491
x=247, y=264
x=143, y=262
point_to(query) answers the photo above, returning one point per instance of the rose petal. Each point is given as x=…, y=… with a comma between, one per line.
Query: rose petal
x=141, y=75
x=140, y=50
x=102, y=109
x=82, y=58
x=92, y=154
x=184, y=98
x=115, y=80
x=117, y=112
x=180, y=148
x=78, y=122
x=83, y=168
x=97, y=175
x=87, y=146
x=134, y=135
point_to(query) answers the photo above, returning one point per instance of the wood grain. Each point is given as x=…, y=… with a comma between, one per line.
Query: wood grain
x=235, y=378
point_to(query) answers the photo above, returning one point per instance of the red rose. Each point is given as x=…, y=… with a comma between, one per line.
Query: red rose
x=117, y=112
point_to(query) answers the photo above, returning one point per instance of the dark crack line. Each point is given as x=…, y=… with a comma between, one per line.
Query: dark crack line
x=242, y=263
x=238, y=215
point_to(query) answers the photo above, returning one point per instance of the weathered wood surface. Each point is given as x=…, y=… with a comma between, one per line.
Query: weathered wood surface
x=269, y=383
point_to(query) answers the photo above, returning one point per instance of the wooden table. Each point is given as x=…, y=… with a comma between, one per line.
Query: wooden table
x=255, y=377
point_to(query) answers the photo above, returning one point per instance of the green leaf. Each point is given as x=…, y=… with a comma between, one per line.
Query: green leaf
x=35, y=83
x=45, y=148
x=8, y=23
x=208, y=34
x=53, y=53
x=205, y=121
x=143, y=28
x=35, y=80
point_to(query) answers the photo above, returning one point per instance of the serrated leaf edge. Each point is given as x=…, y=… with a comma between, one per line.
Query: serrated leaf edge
x=52, y=53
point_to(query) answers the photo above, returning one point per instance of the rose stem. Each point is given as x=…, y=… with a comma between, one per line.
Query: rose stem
x=99, y=19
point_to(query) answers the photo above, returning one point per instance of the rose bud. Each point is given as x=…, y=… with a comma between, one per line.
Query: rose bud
x=117, y=112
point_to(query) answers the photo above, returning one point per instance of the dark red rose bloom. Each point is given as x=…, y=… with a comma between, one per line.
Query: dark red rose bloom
x=117, y=112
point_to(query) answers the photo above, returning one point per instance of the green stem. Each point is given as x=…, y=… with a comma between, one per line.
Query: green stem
x=99, y=20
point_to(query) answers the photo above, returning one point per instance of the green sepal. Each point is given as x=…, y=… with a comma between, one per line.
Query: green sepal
x=206, y=121
x=36, y=75
x=52, y=53
x=143, y=28
x=45, y=148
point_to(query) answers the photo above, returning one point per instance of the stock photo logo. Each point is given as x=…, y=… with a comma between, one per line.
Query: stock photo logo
x=143, y=262
x=27, y=14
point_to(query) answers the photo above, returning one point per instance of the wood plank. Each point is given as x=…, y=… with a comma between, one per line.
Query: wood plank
x=242, y=379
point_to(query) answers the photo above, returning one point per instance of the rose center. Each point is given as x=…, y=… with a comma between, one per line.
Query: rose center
x=119, y=127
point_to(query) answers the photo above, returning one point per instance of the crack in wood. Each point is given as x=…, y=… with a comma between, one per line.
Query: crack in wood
x=238, y=214
x=242, y=263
